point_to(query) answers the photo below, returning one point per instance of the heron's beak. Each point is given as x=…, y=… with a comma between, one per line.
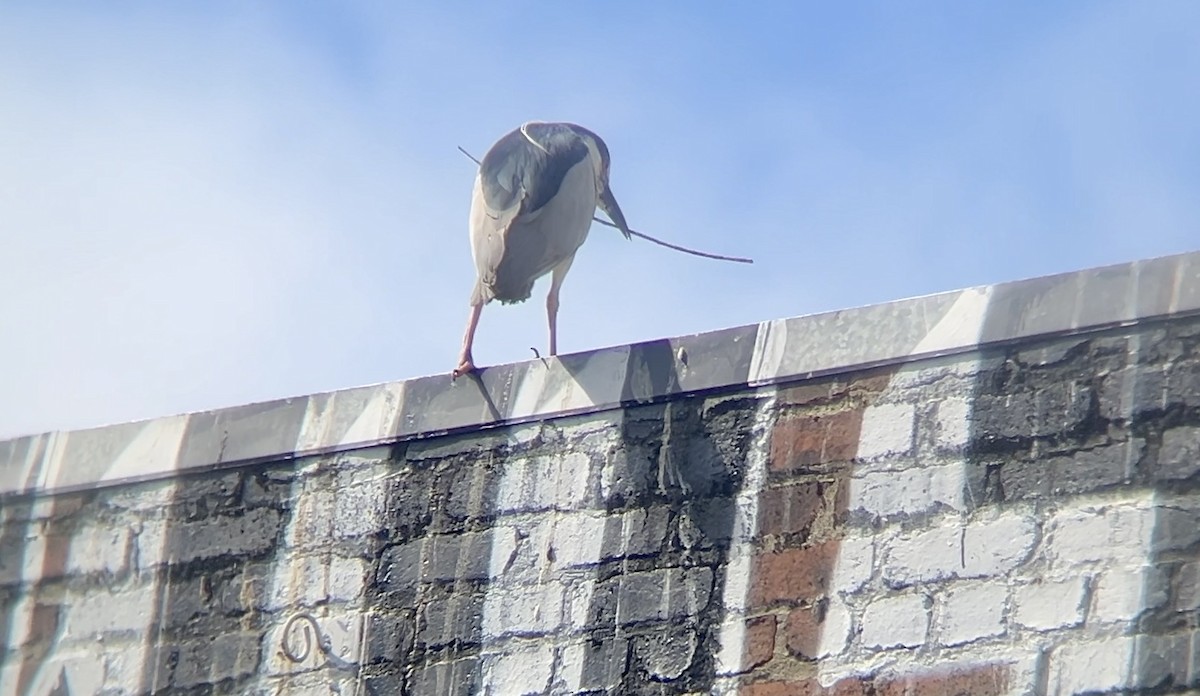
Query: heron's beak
x=608, y=203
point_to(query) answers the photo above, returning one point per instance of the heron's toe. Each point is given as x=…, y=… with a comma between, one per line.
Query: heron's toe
x=464, y=367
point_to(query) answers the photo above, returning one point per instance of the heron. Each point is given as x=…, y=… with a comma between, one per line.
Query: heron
x=532, y=206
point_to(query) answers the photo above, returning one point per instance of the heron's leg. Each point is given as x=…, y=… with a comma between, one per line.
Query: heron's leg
x=465, y=362
x=556, y=281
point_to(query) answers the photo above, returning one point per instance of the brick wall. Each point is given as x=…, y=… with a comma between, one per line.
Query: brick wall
x=1021, y=516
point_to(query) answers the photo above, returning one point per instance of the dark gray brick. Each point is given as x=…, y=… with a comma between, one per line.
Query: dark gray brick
x=453, y=620
x=641, y=532
x=1092, y=469
x=453, y=678
x=1130, y=393
x=465, y=491
x=666, y=654
x=630, y=475
x=1179, y=456
x=242, y=535
x=659, y=595
x=1063, y=475
x=400, y=570
x=704, y=524
x=225, y=656
x=389, y=637
x=605, y=659
x=408, y=511
x=461, y=557
x=1176, y=524
x=1183, y=383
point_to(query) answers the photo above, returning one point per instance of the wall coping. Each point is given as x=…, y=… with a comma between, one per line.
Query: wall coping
x=770, y=352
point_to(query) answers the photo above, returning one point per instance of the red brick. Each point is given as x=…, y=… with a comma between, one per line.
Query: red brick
x=796, y=441
x=789, y=509
x=984, y=680
x=841, y=438
x=792, y=575
x=804, y=632
x=801, y=440
x=805, y=687
x=804, y=393
x=760, y=641
x=864, y=384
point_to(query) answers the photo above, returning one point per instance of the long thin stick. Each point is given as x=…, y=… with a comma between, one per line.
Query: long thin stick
x=719, y=257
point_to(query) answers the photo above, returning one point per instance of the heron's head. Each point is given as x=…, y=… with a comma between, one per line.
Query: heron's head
x=600, y=160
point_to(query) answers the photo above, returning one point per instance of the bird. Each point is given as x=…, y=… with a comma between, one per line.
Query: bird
x=532, y=205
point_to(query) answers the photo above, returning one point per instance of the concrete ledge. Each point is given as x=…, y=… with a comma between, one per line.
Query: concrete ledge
x=771, y=352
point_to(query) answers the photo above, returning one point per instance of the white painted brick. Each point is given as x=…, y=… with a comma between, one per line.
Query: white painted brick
x=524, y=433
x=540, y=483
x=926, y=556
x=953, y=423
x=1133, y=530
x=297, y=581
x=1045, y=605
x=311, y=525
x=835, y=631
x=908, y=491
x=524, y=670
x=148, y=496
x=530, y=609
x=94, y=615
x=126, y=667
x=1097, y=664
x=587, y=427
x=505, y=546
x=982, y=549
x=1122, y=594
x=901, y=621
x=76, y=667
x=311, y=579
x=578, y=601
x=571, y=480
x=99, y=550
x=359, y=509
x=855, y=564
x=347, y=579
x=1095, y=533
x=973, y=611
x=731, y=647
x=578, y=539
x=998, y=546
x=887, y=430
x=150, y=543
x=510, y=494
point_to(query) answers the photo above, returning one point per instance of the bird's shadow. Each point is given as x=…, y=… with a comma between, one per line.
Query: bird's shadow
x=476, y=378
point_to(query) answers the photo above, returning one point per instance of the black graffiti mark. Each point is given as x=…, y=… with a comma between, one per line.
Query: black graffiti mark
x=311, y=631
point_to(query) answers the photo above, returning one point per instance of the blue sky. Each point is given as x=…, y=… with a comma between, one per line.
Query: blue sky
x=206, y=204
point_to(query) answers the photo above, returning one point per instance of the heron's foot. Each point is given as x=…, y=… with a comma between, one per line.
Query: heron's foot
x=465, y=366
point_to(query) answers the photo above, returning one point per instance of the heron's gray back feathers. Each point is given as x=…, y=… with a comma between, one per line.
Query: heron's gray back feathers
x=527, y=166
x=533, y=231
